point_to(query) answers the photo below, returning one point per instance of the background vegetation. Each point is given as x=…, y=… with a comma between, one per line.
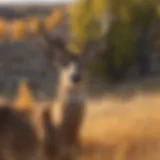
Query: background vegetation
x=123, y=123
x=132, y=38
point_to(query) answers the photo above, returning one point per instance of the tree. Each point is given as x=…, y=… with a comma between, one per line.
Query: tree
x=131, y=37
x=32, y=26
x=18, y=30
x=3, y=29
x=85, y=19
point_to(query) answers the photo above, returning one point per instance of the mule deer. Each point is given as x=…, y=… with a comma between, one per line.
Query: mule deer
x=73, y=80
x=21, y=130
x=27, y=131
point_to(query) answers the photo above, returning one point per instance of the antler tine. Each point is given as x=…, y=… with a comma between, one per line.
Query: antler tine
x=44, y=32
x=50, y=38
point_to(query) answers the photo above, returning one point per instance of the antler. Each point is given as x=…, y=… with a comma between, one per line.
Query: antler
x=98, y=46
x=54, y=40
x=42, y=29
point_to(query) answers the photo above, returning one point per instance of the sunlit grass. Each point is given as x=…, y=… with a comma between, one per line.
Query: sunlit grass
x=122, y=129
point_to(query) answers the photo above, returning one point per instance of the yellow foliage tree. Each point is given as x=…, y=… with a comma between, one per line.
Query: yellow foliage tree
x=18, y=30
x=56, y=16
x=32, y=25
x=86, y=19
x=49, y=23
x=53, y=20
x=3, y=29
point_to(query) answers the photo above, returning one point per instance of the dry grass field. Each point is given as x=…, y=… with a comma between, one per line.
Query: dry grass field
x=123, y=124
x=122, y=129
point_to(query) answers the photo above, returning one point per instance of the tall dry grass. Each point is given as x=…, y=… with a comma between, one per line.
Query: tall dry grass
x=125, y=127
x=122, y=129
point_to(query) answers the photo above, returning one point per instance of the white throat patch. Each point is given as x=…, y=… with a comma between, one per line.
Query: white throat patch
x=71, y=99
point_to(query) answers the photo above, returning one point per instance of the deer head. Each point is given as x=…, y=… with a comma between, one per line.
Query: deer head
x=72, y=67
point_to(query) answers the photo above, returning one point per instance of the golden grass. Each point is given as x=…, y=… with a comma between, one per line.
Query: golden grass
x=121, y=129
x=116, y=129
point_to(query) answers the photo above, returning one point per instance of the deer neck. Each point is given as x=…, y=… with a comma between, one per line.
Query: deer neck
x=36, y=119
x=67, y=97
x=72, y=95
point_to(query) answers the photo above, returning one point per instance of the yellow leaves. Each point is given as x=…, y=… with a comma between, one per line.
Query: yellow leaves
x=53, y=20
x=56, y=16
x=99, y=7
x=124, y=13
x=24, y=100
x=33, y=25
x=49, y=23
x=74, y=48
x=86, y=21
x=158, y=10
x=70, y=8
x=3, y=29
x=78, y=20
x=17, y=30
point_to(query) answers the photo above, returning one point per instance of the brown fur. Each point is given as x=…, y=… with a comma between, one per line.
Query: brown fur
x=21, y=129
x=18, y=136
x=71, y=66
x=54, y=144
x=72, y=112
x=31, y=135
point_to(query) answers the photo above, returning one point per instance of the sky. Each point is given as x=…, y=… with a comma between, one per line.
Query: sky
x=33, y=1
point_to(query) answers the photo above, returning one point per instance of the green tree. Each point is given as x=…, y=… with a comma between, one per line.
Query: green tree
x=86, y=21
x=132, y=35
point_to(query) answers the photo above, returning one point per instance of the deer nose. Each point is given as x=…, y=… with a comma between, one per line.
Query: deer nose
x=76, y=78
